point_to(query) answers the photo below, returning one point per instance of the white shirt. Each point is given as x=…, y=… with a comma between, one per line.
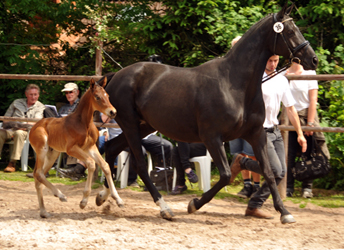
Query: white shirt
x=300, y=90
x=275, y=91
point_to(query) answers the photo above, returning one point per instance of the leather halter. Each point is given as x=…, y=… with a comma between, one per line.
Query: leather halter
x=292, y=51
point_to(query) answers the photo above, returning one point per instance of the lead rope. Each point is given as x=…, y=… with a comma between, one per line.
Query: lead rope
x=273, y=74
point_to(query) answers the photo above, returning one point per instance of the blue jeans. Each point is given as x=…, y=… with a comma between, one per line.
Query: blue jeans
x=240, y=146
x=276, y=156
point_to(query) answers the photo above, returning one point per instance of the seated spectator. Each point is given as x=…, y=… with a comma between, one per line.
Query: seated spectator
x=240, y=146
x=181, y=155
x=112, y=133
x=76, y=169
x=28, y=107
x=152, y=144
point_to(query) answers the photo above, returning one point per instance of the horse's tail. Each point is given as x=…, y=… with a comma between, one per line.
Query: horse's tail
x=108, y=77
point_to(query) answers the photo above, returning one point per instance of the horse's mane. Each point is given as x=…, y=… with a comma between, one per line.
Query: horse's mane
x=252, y=29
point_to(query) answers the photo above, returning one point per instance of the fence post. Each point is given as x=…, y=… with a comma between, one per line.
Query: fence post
x=99, y=68
x=282, y=187
x=99, y=59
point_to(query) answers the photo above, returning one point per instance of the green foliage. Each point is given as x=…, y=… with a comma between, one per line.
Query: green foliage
x=184, y=33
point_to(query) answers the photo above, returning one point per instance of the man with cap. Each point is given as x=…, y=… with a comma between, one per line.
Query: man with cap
x=72, y=92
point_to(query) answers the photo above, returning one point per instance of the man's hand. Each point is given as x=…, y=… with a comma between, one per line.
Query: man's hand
x=303, y=142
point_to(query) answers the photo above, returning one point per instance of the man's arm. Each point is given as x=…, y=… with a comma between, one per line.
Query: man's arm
x=295, y=120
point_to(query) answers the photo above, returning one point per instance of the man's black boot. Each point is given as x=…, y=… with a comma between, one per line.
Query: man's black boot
x=75, y=173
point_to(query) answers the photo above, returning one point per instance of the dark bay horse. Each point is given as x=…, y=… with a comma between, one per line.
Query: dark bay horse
x=218, y=101
x=77, y=135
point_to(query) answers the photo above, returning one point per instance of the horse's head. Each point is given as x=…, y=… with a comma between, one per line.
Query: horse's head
x=100, y=98
x=288, y=40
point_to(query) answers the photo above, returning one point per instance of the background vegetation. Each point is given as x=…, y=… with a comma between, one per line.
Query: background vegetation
x=184, y=32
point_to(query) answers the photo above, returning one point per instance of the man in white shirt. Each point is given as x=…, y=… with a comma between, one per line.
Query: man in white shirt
x=275, y=91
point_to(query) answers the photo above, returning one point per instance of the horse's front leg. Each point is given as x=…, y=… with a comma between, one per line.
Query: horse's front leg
x=269, y=152
x=217, y=152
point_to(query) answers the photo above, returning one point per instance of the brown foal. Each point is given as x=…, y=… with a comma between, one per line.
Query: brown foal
x=76, y=135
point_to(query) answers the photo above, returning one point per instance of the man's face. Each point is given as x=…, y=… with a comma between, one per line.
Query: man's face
x=72, y=95
x=271, y=65
x=32, y=96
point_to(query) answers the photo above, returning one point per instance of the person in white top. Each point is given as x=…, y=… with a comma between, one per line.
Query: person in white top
x=305, y=93
x=275, y=91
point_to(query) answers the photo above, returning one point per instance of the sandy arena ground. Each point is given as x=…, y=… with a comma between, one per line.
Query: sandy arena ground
x=220, y=224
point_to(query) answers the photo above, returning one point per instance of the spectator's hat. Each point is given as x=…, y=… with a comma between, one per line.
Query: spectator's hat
x=70, y=86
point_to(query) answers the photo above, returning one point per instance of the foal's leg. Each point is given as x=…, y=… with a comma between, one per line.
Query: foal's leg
x=44, y=161
x=106, y=170
x=217, y=151
x=112, y=148
x=85, y=156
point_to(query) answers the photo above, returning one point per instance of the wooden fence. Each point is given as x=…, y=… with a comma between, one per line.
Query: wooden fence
x=283, y=127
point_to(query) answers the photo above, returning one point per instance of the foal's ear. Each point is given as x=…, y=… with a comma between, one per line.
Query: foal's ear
x=103, y=84
x=92, y=83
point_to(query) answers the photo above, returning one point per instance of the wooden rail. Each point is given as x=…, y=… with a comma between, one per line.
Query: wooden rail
x=49, y=77
x=88, y=78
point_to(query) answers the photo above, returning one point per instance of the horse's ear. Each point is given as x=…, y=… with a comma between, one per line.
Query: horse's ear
x=92, y=83
x=282, y=12
x=288, y=11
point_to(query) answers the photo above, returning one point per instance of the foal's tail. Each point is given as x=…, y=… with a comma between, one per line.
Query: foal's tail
x=108, y=77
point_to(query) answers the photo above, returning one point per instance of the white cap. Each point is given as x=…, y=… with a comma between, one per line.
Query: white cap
x=70, y=86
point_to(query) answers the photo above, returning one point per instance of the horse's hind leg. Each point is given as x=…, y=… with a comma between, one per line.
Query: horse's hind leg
x=217, y=151
x=134, y=135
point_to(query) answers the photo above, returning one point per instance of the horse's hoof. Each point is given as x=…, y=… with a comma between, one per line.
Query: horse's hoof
x=83, y=204
x=45, y=215
x=191, y=207
x=286, y=219
x=166, y=214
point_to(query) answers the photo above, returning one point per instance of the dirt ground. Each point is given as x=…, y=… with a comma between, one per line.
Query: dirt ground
x=220, y=224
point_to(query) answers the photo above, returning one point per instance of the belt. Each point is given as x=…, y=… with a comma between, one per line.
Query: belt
x=271, y=130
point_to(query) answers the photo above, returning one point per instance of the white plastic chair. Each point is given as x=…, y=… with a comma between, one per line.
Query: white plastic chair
x=203, y=171
x=24, y=158
x=123, y=169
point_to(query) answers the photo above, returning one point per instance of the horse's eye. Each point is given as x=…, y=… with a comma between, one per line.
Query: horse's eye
x=97, y=98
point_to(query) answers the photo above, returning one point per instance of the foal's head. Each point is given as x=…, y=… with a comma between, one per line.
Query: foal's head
x=100, y=98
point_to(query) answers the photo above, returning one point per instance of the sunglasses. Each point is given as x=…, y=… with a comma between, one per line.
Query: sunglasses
x=69, y=92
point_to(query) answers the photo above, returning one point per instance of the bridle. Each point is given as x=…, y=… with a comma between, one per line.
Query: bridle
x=278, y=28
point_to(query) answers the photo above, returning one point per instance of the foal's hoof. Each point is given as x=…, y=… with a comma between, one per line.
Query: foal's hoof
x=191, y=207
x=120, y=203
x=102, y=197
x=286, y=219
x=167, y=214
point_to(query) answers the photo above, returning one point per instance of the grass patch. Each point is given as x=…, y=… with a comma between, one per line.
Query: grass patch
x=323, y=198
